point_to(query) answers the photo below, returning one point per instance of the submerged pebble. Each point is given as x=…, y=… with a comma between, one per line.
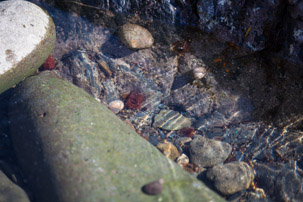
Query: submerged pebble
x=207, y=152
x=153, y=188
x=116, y=106
x=231, y=177
x=169, y=150
x=171, y=120
x=135, y=36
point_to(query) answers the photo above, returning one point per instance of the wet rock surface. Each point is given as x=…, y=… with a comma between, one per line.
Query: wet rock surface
x=208, y=153
x=280, y=181
x=231, y=177
x=253, y=26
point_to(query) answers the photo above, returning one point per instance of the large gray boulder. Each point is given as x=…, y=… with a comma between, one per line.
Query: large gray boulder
x=72, y=148
x=27, y=38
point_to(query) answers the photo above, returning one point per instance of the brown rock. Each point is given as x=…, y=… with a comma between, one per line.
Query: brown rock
x=153, y=188
x=169, y=150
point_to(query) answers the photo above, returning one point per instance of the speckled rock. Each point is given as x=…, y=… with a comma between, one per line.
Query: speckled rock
x=10, y=191
x=135, y=36
x=72, y=148
x=27, y=38
x=207, y=153
x=231, y=177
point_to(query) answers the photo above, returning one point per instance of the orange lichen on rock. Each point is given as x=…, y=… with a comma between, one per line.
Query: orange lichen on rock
x=216, y=60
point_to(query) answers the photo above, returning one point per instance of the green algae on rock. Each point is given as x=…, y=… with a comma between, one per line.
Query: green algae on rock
x=27, y=37
x=72, y=148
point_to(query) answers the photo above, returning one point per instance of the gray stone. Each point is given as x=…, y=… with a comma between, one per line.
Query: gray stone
x=207, y=153
x=10, y=191
x=135, y=36
x=27, y=38
x=72, y=148
x=231, y=177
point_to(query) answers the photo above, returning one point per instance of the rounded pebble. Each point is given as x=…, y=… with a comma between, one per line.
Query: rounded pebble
x=135, y=36
x=208, y=153
x=199, y=72
x=153, y=188
x=171, y=120
x=116, y=106
x=231, y=177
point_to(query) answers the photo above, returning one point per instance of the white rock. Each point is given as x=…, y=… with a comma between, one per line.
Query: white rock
x=27, y=38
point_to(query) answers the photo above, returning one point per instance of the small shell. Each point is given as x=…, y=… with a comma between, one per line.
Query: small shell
x=153, y=188
x=182, y=160
x=199, y=72
x=116, y=106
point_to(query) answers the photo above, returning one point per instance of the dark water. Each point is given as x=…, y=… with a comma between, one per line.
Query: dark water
x=252, y=102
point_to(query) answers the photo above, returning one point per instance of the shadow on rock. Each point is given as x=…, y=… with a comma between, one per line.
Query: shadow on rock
x=113, y=48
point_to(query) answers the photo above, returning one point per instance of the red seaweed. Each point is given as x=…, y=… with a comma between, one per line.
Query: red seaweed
x=135, y=100
x=188, y=132
x=49, y=64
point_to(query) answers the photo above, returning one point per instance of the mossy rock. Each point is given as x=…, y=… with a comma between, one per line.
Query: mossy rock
x=72, y=148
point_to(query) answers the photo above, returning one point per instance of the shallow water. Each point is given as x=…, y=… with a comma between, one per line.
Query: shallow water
x=252, y=102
